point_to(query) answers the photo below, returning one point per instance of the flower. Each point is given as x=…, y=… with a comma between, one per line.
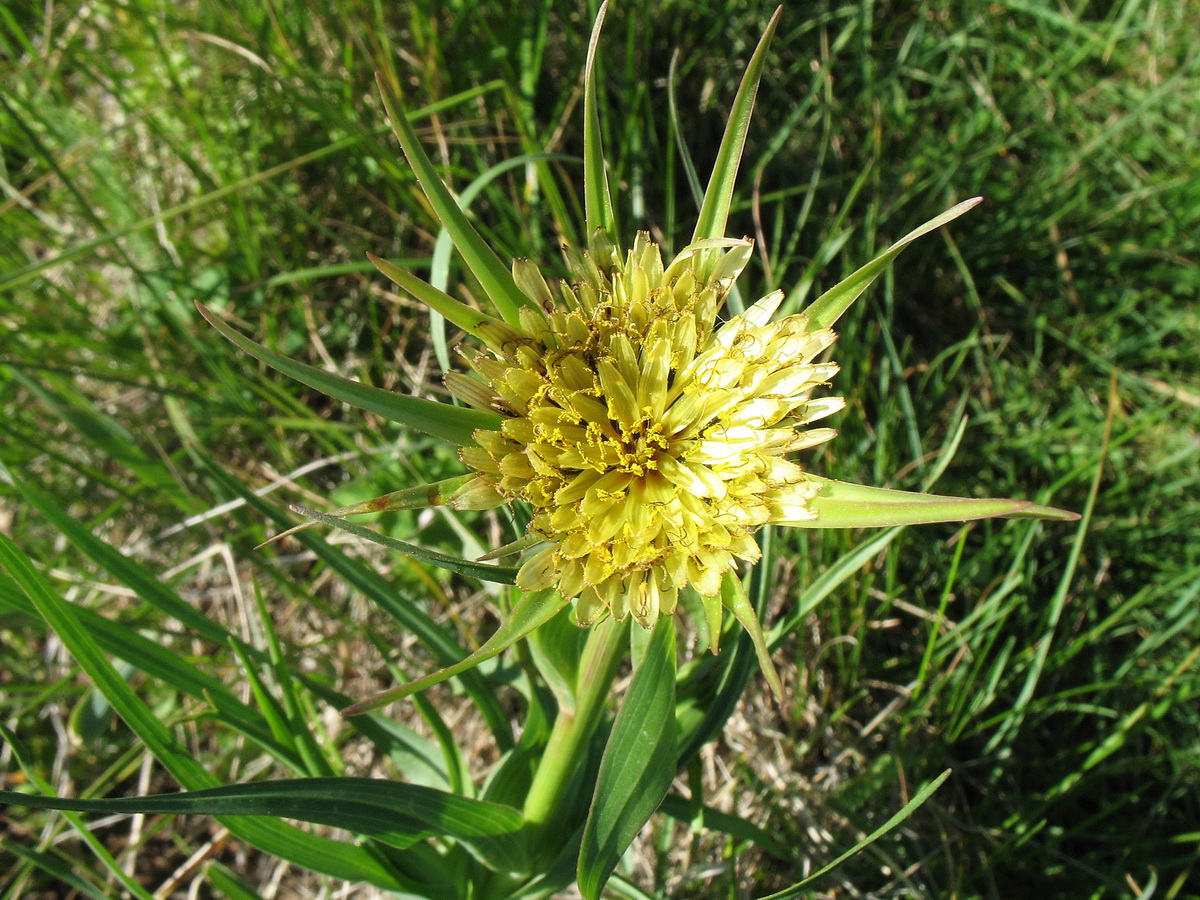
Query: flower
x=649, y=443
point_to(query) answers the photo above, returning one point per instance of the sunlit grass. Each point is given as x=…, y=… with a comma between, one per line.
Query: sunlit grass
x=133, y=184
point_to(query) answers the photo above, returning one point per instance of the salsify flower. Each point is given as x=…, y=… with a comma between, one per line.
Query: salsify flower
x=649, y=443
x=650, y=440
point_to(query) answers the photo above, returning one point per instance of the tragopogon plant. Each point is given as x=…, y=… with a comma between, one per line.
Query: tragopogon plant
x=647, y=441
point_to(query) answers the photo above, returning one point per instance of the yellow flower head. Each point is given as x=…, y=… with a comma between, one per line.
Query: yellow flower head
x=649, y=442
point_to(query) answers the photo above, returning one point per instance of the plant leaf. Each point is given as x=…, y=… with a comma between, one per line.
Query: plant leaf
x=419, y=496
x=828, y=308
x=532, y=610
x=709, y=687
x=441, y=420
x=714, y=211
x=844, y=505
x=493, y=274
x=392, y=812
x=638, y=764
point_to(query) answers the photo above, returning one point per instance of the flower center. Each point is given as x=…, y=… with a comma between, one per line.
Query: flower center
x=641, y=446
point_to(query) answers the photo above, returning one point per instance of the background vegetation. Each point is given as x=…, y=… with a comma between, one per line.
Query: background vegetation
x=236, y=152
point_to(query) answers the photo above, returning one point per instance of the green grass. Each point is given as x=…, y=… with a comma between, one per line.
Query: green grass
x=236, y=153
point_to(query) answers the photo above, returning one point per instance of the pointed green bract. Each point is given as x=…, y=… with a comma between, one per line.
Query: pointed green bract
x=597, y=201
x=460, y=314
x=828, y=308
x=422, y=496
x=713, y=619
x=714, y=211
x=479, y=257
x=844, y=505
x=734, y=599
x=499, y=574
x=520, y=545
x=450, y=423
x=532, y=610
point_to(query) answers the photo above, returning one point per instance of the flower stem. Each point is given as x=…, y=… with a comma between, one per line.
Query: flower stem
x=573, y=728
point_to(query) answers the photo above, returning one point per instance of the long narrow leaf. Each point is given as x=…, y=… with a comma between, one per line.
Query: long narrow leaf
x=420, y=496
x=450, y=423
x=734, y=598
x=495, y=277
x=392, y=812
x=709, y=696
x=907, y=810
x=460, y=314
x=830, y=578
x=638, y=764
x=443, y=247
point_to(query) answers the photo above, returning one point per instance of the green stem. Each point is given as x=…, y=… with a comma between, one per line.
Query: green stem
x=573, y=728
